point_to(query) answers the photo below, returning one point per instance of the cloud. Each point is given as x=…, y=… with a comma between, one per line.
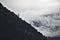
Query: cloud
x=47, y=20
x=49, y=27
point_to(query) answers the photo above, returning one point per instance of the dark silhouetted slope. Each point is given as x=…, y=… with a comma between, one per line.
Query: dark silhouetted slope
x=13, y=28
x=53, y=38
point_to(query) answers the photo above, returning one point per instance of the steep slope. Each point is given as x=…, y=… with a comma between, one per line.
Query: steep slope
x=13, y=28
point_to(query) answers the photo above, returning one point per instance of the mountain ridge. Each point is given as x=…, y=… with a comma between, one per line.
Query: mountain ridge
x=14, y=28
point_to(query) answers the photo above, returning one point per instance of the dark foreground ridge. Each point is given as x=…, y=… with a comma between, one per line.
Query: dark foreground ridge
x=13, y=28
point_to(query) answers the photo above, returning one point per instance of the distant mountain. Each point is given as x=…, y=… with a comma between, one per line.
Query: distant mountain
x=13, y=28
x=53, y=38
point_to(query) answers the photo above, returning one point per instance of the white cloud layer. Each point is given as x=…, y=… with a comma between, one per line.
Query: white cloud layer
x=50, y=25
x=49, y=17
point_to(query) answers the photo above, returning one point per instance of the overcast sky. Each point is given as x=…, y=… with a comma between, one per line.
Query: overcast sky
x=32, y=9
x=19, y=5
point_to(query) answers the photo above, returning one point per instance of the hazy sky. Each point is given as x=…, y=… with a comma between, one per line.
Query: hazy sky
x=19, y=5
x=33, y=9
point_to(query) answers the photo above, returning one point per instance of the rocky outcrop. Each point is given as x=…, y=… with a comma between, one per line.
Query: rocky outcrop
x=13, y=28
